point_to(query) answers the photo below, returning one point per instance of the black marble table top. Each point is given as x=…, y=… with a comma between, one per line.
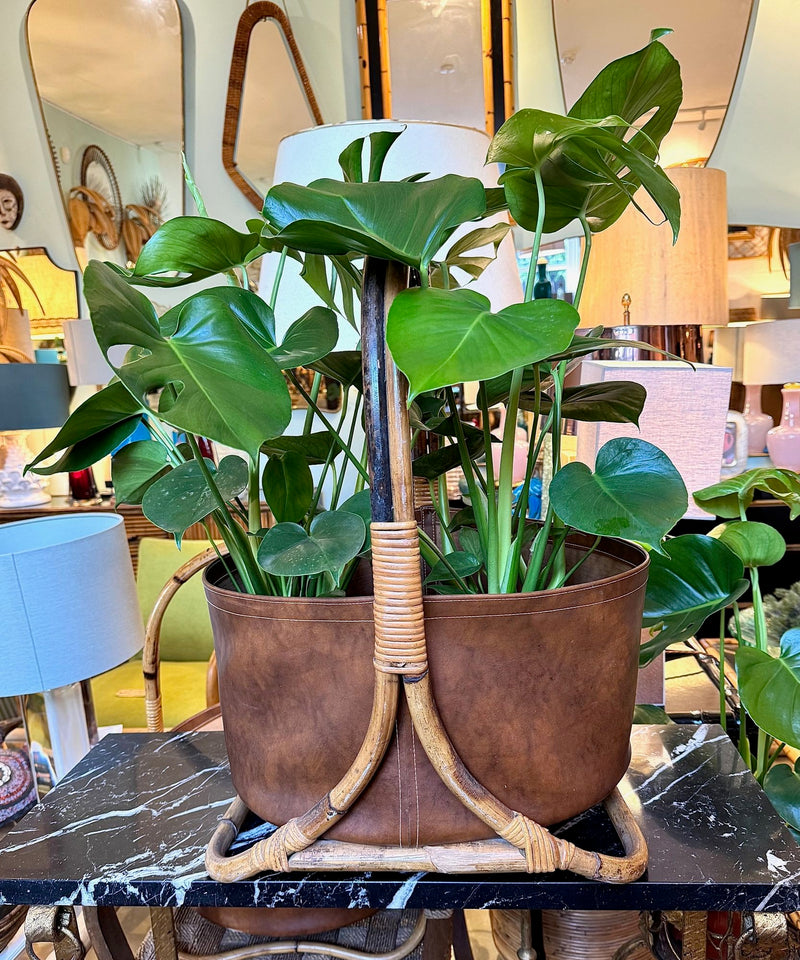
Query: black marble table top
x=129, y=824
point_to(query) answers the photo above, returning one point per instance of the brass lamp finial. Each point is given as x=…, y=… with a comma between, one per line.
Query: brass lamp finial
x=626, y=308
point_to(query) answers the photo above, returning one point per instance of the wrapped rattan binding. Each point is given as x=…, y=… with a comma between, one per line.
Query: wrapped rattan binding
x=400, y=652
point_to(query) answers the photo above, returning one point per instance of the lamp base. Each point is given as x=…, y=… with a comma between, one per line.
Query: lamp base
x=66, y=721
x=18, y=489
x=682, y=340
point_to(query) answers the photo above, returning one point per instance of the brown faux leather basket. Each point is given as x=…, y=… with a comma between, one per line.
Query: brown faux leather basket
x=515, y=710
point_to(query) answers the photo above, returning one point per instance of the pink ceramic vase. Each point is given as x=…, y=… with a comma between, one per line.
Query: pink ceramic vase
x=783, y=442
x=758, y=423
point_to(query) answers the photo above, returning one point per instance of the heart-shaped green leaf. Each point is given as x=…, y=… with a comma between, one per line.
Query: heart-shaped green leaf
x=615, y=401
x=734, y=494
x=201, y=349
x=464, y=564
x=195, y=247
x=782, y=786
x=310, y=338
x=288, y=487
x=635, y=492
x=361, y=506
x=136, y=467
x=391, y=220
x=755, y=544
x=99, y=425
x=695, y=577
x=769, y=688
x=182, y=496
x=315, y=447
x=334, y=538
x=343, y=366
x=351, y=158
x=442, y=337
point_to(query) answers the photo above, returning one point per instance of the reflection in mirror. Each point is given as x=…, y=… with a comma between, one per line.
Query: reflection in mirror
x=707, y=40
x=35, y=297
x=269, y=97
x=109, y=76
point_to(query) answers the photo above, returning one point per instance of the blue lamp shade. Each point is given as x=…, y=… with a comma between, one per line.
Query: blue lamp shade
x=68, y=601
x=33, y=396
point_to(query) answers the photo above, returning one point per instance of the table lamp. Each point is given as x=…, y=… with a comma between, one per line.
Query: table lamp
x=772, y=355
x=672, y=290
x=70, y=612
x=33, y=396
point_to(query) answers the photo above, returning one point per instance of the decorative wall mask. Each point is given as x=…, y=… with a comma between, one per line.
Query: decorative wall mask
x=11, y=202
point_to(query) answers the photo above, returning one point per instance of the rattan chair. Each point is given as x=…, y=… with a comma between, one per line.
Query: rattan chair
x=232, y=934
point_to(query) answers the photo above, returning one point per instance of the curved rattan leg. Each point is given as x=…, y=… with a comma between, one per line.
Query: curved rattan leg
x=273, y=852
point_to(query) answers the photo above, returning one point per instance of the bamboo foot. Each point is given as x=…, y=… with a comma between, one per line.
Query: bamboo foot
x=480, y=856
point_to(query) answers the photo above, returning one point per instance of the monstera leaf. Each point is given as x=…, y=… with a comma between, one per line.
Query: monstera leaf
x=588, y=163
x=755, y=544
x=442, y=337
x=222, y=384
x=288, y=487
x=195, y=248
x=390, y=220
x=731, y=496
x=333, y=539
x=182, y=496
x=98, y=426
x=695, y=577
x=635, y=492
x=136, y=467
x=770, y=687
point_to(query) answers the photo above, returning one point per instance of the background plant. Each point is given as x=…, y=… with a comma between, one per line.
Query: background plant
x=700, y=575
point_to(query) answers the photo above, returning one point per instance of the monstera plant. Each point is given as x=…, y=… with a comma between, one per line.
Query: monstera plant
x=213, y=366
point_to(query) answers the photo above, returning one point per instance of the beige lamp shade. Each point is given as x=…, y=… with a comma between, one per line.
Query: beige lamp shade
x=668, y=285
x=772, y=352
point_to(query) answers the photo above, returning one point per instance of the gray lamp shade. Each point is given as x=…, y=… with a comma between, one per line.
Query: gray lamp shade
x=33, y=396
x=68, y=601
x=794, y=275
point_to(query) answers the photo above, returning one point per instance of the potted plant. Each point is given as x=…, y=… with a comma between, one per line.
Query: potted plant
x=535, y=623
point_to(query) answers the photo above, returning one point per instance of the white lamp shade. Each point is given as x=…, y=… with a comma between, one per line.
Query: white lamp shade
x=432, y=148
x=681, y=284
x=759, y=141
x=68, y=598
x=684, y=415
x=772, y=352
x=86, y=364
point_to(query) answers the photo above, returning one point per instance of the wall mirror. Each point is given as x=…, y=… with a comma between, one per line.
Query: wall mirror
x=110, y=81
x=269, y=96
x=707, y=39
x=448, y=61
x=35, y=297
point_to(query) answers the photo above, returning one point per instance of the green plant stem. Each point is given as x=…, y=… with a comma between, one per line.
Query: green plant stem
x=350, y=434
x=772, y=758
x=492, y=572
x=273, y=297
x=432, y=554
x=760, y=625
x=501, y=535
x=587, y=249
x=253, y=496
x=442, y=503
x=348, y=453
x=479, y=507
x=567, y=576
x=237, y=543
x=308, y=420
x=744, y=743
x=723, y=706
x=155, y=427
x=192, y=187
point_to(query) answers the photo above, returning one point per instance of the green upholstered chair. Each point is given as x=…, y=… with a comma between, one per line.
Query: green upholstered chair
x=185, y=647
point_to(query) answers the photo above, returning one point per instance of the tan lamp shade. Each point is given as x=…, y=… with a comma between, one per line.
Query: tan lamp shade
x=668, y=285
